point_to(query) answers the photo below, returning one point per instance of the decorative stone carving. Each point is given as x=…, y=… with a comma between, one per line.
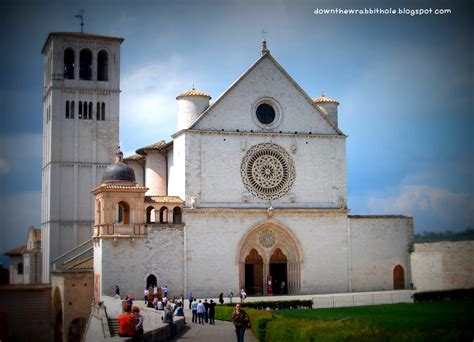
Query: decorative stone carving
x=267, y=171
x=193, y=202
x=267, y=238
x=245, y=197
x=292, y=198
x=294, y=148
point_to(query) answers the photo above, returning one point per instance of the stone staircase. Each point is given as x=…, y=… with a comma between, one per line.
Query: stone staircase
x=113, y=326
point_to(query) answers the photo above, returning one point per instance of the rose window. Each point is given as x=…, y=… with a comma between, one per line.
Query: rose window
x=267, y=171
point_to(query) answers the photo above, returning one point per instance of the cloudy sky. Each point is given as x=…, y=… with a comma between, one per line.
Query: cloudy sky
x=405, y=84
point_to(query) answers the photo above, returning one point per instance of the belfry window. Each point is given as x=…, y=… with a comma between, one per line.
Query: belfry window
x=67, y=110
x=80, y=109
x=90, y=111
x=102, y=113
x=85, y=65
x=72, y=109
x=123, y=213
x=102, y=66
x=69, y=64
x=177, y=218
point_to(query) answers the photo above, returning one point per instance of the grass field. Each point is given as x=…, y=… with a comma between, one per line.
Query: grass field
x=426, y=321
x=400, y=317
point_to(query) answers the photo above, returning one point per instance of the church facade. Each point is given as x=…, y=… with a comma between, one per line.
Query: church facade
x=251, y=190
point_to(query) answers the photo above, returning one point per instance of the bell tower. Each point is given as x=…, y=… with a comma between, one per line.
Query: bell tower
x=80, y=134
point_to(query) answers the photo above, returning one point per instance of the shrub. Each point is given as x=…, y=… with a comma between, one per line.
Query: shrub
x=277, y=305
x=446, y=295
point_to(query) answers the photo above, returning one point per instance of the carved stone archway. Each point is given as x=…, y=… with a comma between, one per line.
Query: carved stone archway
x=272, y=238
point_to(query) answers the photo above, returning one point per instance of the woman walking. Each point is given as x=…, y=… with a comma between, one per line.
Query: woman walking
x=241, y=321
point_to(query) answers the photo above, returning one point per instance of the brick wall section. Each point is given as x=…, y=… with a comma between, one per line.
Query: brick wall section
x=443, y=265
x=28, y=309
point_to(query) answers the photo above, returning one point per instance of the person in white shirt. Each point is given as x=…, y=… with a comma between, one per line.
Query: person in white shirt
x=201, y=309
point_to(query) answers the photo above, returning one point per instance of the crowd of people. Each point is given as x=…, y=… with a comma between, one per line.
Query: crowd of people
x=203, y=311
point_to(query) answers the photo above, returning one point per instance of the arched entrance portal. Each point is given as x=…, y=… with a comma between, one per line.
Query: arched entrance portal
x=254, y=273
x=151, y=281
x=269, y=249
x=76, y=329
x=398, y=278
x=278, y=264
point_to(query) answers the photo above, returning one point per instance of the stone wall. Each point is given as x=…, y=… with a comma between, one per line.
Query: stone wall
x=443, y=265
x=378, y=244
x=127, y=261
x=28, y=309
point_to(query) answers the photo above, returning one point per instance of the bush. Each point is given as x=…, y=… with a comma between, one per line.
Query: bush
x=277, y=305
x=446, y=295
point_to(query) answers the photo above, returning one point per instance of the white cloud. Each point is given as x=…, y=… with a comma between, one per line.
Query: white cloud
x=4, y=166
x=149, y=101
x=434, y=208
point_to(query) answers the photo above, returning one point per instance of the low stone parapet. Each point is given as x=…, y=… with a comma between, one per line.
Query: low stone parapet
x=361, y=299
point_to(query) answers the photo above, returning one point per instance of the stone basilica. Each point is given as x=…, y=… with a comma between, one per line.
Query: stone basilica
x=251, y=188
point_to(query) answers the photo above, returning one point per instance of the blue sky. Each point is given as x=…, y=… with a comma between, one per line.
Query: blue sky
x=405, y=84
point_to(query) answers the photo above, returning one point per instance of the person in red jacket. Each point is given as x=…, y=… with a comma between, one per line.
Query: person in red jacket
x=126, y=322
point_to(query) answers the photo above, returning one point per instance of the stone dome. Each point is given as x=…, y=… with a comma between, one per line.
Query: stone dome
x=118, y=172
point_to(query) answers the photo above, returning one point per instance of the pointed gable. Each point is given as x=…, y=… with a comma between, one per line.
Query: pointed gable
x=265, y=81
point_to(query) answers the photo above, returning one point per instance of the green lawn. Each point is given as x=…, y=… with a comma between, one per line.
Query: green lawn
x=400, y=317
x=441, y=320
x=426, y=321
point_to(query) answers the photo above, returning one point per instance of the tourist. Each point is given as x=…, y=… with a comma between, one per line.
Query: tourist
x=200, y=312
x=145, y=295
x=243, y=295
x=165, y=291
x=129, y=299
x=230, y=294
x=282, y=287
x=241, y=321
x=117, y=292
x=126, y=322
x=151, y=302
x=221, y=298
x=138, y=321
x=168, y=318
x=155, y=291
x=212, y=312
x=194, y=305
x=190, y=298
x=179, y=311
x=206, y=311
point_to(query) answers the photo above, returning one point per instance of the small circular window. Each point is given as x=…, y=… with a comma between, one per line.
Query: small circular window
x=265, y=113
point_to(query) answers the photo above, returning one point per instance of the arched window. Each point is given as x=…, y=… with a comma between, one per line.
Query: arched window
x=67, y=110
x=123, y=213
x=102, y=112
x=69, y=64
x=163, y=215
x=90, y=111
x=102, y=66
x=72, y=109
x=84, y=109
x=20, y=268
x=149, y=215
x=177, y=219
x=85, y=65
x=80, y=109
x=98, y=111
